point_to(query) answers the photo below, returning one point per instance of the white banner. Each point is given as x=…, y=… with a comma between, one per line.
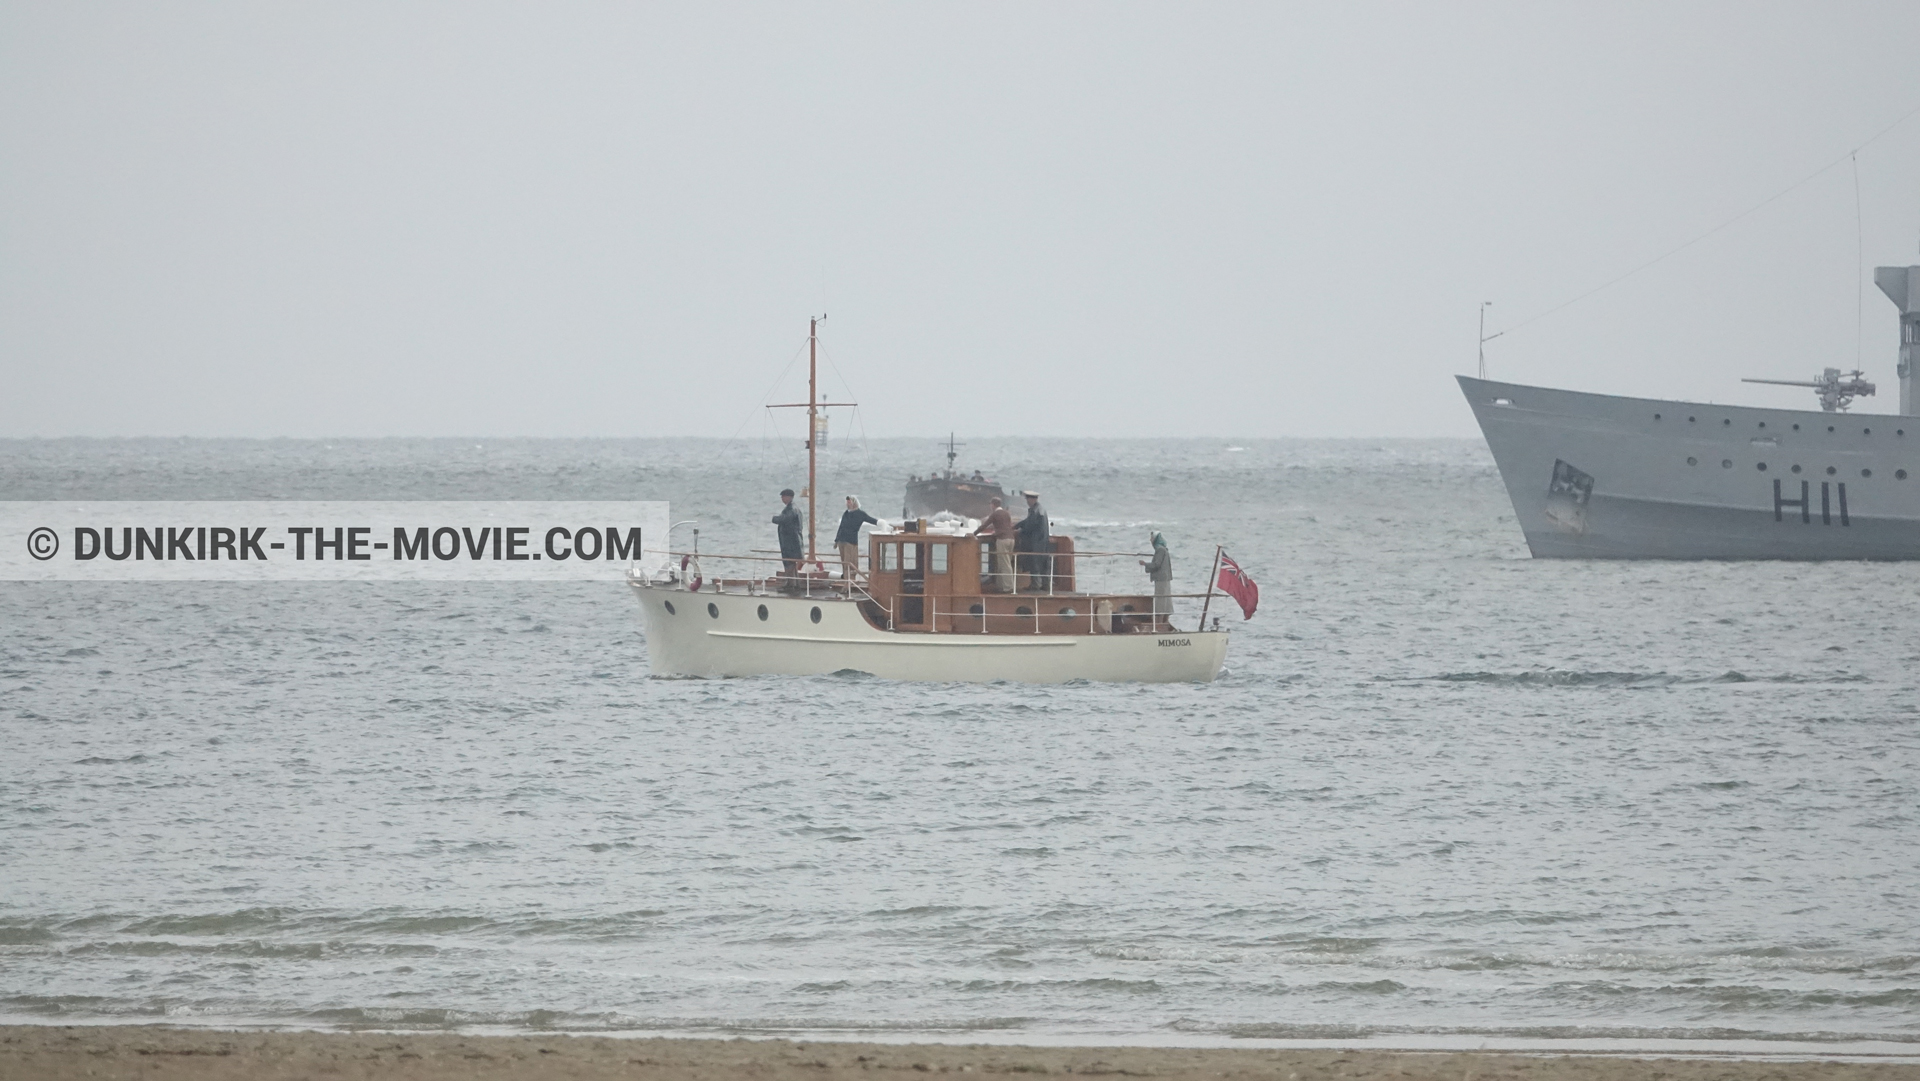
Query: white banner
x=377, y=541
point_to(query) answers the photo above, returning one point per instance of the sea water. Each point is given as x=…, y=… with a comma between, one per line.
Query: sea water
x=1441, y=789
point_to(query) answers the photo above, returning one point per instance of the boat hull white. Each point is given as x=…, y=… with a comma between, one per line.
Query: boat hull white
x=717, y=635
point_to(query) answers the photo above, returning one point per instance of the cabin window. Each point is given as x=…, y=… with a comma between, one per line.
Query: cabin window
x=937, y=558
x=910, y=559
x=889, y=557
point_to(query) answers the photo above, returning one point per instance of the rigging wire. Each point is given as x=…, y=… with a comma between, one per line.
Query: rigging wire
x=1762, y=204
x=770, y=390
x=846, y=388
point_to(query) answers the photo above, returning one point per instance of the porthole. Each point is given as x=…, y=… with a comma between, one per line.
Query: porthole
x=1761, y=466
x=1689, y=420
x=1763, y=424
x=1656, y=416
x=1796, y=427
x=1023, y=610
x=1899, y=431
x=1726, y=463
x=1829, y=427
x=974, y=610
x=1796, y=469
x=1830, y=471
x=1866, y=472
x=763, y=613
x=1866, y=431
x=1067, y=613
x=1899, y=474
x=1726, y=421
x=713, y=610
x=669, y=605
x=1693, y=461
x=815, y=614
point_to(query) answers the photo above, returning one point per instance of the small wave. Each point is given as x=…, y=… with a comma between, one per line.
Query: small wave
x=1283, y=1031
x=1093, y=983
x=1554, y=677
x=611, y=1021
x=25, y=933
x=1165, y=953
x=335, y=929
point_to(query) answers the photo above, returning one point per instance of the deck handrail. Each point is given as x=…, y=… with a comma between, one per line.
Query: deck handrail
x=822, y=582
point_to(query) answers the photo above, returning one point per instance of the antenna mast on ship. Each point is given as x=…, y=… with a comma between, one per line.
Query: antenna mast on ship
x=813, y=405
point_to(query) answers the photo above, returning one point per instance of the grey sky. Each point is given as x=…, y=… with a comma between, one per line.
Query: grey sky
x=1076, y=219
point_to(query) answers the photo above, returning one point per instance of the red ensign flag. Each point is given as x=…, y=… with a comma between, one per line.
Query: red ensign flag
x=1235, y=583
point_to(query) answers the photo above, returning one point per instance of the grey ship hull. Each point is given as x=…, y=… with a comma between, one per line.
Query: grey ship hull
x=1593, y=476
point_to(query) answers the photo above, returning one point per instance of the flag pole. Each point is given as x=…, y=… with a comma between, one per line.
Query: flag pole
x=1212, y=575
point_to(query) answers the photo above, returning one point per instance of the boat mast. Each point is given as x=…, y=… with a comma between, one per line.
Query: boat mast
x=813, y=405
x=813, y=430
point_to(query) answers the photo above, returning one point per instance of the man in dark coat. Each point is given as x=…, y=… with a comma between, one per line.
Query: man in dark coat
x=788, y=521
x=1035, y=545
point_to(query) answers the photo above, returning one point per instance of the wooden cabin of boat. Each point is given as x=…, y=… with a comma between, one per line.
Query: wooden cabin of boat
x=937, y=583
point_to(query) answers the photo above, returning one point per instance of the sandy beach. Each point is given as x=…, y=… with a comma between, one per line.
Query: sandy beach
x=55, y=1053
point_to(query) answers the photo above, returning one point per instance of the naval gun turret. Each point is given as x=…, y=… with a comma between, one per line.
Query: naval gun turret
x=1835, y=392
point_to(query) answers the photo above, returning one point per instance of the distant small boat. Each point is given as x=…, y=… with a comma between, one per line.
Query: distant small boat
x=955, y=493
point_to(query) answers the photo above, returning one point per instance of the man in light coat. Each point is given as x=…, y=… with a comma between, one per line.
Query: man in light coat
x=999, y=528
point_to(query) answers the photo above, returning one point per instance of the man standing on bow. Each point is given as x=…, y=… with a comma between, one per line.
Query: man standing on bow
x=1036, y=545
x=788, y=522
x=847, y=540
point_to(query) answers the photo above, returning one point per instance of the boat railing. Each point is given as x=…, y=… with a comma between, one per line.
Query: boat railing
x=963, y=611
x=1047, y=609
x=816, y=582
